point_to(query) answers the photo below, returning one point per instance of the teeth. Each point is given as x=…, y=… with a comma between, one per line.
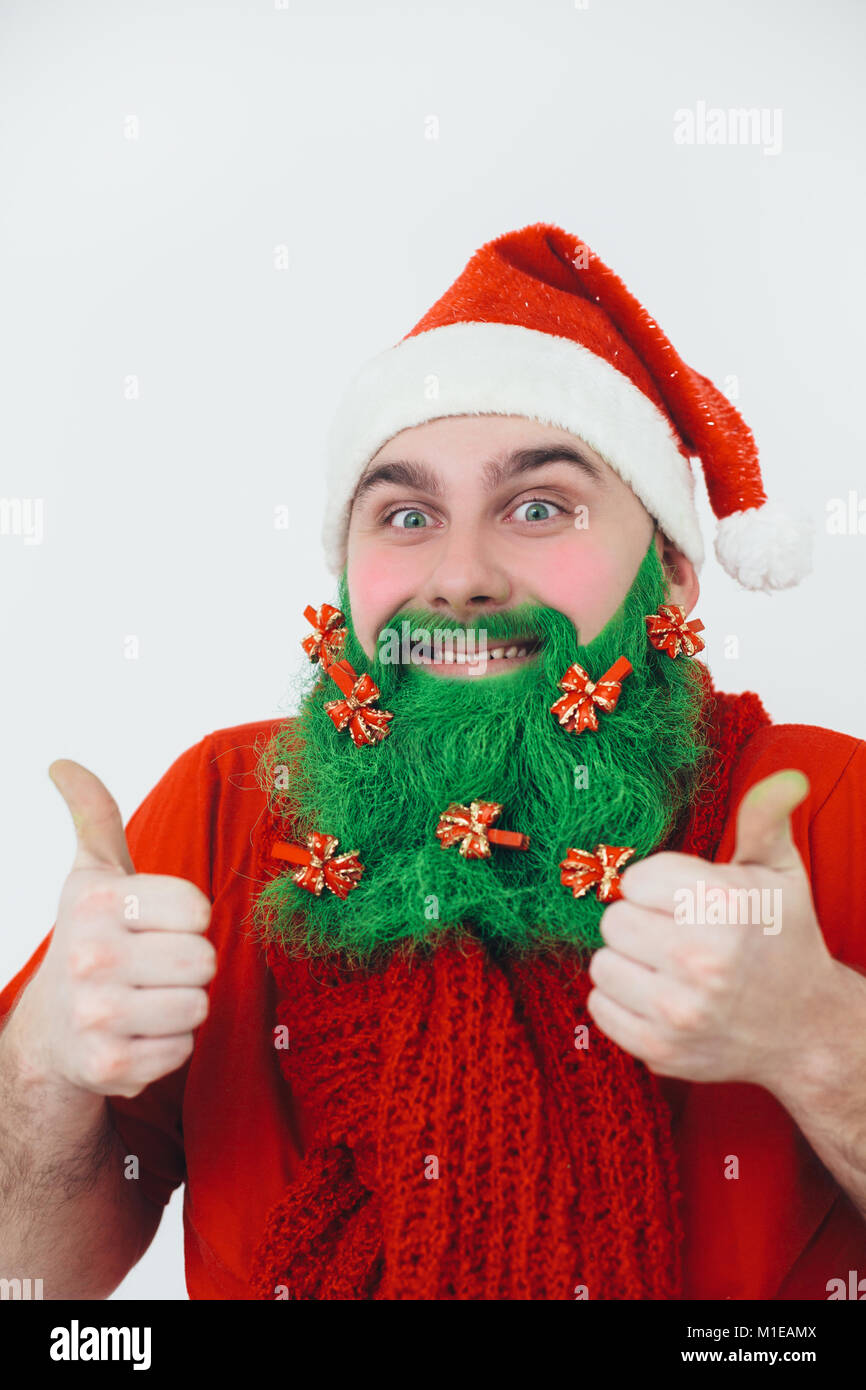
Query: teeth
x=500, y=653
x=495, y=654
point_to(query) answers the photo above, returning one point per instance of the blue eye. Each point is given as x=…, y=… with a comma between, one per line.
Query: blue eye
x=407, y=511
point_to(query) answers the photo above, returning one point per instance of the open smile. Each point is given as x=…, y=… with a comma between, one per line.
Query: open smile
x=498, y=656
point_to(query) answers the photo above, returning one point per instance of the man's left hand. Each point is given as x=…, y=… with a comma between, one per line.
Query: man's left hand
x=732, y=998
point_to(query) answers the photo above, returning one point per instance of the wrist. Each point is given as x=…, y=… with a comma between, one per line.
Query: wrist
x=823, y=1061
x=26, y=1045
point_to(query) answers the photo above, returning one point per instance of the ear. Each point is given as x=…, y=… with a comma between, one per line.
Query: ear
x=683, y=584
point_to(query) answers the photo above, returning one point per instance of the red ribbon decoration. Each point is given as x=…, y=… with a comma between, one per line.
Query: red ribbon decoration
x=575, y=709
x=320, y=866
x=582, y=871
x=471, y=826
x=325, y=643
x=366, y=724
x=668, y=630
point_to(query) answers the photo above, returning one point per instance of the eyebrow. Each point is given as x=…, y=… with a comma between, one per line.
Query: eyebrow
x=407, y=473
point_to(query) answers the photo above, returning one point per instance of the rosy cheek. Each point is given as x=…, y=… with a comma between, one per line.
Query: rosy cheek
x=585, y=581
x=376, y=593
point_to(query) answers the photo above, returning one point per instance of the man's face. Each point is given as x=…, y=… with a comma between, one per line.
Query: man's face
x=469, y=515
x=500, y=559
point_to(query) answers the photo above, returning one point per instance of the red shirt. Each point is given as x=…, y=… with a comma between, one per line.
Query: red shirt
x=225, y=1122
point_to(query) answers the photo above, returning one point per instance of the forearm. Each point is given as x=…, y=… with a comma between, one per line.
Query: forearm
x=67, y=1214
x=824, y=1089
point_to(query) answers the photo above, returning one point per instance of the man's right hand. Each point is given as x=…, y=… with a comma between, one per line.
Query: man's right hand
x=114, y=1003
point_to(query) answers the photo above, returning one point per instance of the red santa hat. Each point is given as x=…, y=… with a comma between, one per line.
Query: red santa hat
x=536, y=325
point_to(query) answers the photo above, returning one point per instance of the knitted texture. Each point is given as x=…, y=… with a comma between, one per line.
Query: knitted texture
x=474, y=1135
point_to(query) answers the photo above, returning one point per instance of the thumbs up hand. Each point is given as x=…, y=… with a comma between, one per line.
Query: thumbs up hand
x=719, y=972
x=115, y=1001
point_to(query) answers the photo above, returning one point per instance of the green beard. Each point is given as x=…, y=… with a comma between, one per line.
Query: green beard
x=490, y=737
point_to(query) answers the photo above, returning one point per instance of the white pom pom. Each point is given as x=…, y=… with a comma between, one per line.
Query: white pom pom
x=765, y=547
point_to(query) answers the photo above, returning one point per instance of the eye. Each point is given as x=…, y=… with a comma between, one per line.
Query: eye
x=417, y=523
x=538, y=504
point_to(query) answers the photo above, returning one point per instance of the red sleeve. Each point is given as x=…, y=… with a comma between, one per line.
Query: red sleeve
x=837, y=850
x=169, y=833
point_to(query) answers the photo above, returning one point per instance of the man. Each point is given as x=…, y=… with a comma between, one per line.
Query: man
x=507, y=1037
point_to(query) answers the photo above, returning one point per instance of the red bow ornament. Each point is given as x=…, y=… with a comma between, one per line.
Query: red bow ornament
x=582, y=871
x=325, y=643
x=668, y=630
x=320, y=866
x=366, y=723
x=470, y=826
x=575, y=710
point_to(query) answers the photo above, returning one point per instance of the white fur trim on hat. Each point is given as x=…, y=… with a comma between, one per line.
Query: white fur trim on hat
x=505, y=369
x=765, y=547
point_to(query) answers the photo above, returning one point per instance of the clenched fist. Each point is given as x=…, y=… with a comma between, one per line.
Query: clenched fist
x=123, y=983
x=741, y=994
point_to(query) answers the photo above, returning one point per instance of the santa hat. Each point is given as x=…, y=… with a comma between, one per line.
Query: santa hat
x=536, y=325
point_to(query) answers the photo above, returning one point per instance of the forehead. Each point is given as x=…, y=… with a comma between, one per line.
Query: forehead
x=438, y=440
x=487, y=452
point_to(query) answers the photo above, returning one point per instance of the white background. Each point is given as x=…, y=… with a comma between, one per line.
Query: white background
x=306, y=127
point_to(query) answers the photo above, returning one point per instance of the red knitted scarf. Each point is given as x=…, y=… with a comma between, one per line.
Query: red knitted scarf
x=464, y=1147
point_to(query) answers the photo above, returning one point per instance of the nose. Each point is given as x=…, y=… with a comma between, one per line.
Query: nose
x=465, y=577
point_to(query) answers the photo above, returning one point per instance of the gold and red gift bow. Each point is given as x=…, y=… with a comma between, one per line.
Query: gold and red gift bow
x=357, y=709
x=575, y=710
x=320, y=866
x=325, y=642
x=669, y=632
x=471, y=827
x=582, y=870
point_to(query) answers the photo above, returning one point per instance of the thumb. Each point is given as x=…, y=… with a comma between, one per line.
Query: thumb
x=95, y=815
x=763, y=821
